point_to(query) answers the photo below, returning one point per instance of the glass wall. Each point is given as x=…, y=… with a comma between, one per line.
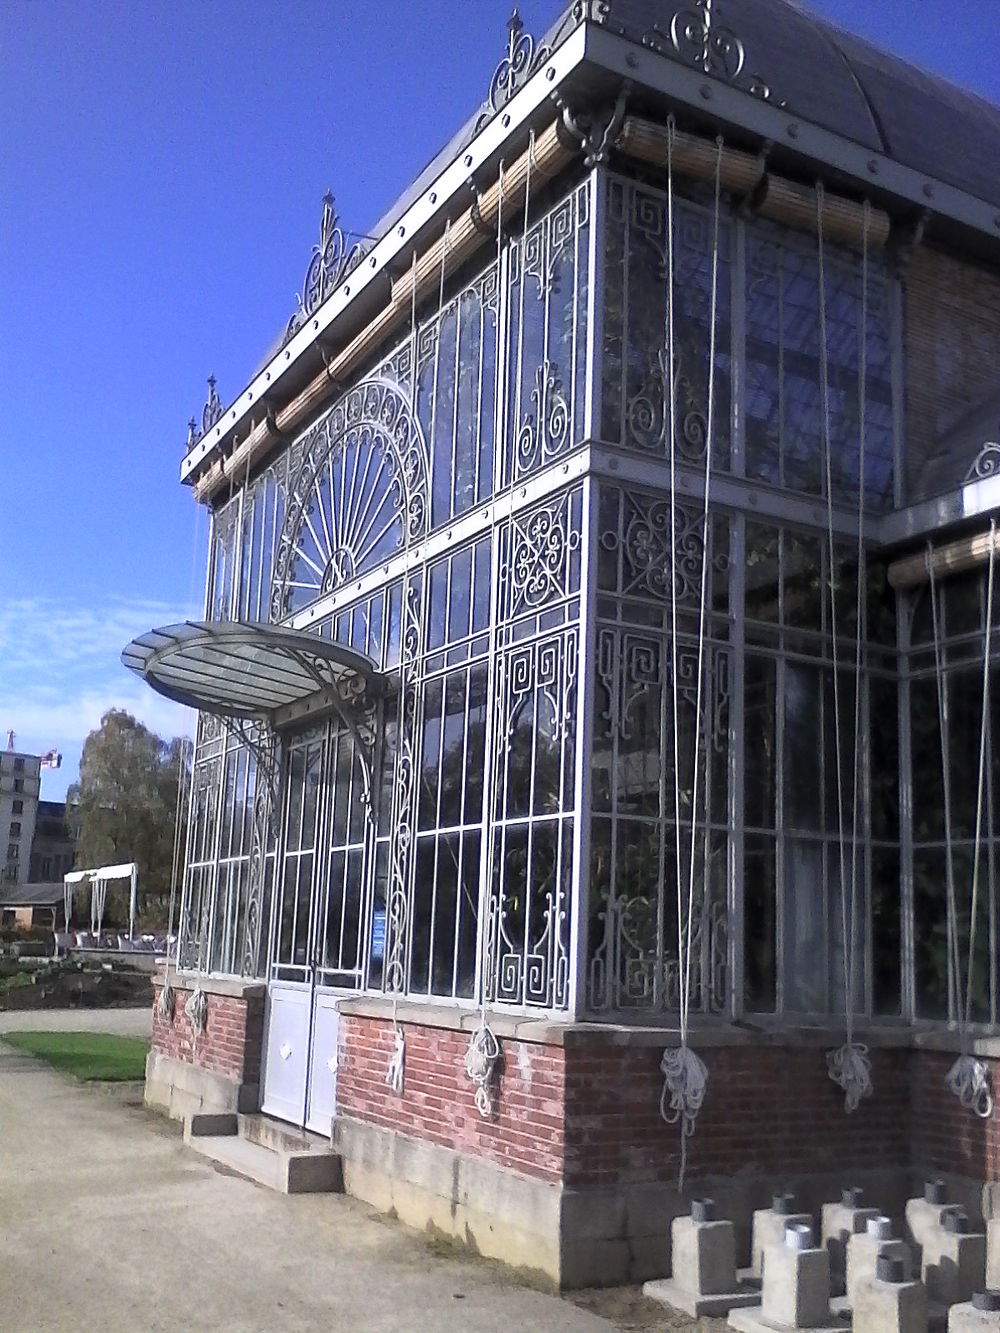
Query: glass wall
x=955, y=967
x=553, y=683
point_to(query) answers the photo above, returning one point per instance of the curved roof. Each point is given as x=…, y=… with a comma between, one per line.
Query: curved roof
x=831, y=78
x=242, y=669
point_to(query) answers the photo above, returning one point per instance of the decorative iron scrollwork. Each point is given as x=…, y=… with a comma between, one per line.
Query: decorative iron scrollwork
x=987, y=462
x=699, y=39
x=360, y=493
x=596, y=130
x=210, y=415
x=331, y=261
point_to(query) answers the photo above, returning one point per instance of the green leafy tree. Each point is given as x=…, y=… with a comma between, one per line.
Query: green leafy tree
x=124, y=809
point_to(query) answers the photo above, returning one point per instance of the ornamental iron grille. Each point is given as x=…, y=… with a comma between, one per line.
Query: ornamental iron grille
x=529, y=911
x=643, y=352
x=546, y=369
x=768, y=330
x=649, y=574
x=359, y=496
x=532, y=742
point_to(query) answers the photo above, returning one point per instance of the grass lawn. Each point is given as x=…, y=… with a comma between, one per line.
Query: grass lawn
x=89, y=1056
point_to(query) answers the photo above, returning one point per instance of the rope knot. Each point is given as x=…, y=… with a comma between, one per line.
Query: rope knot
x=196, y=1009
x=480, y=1064
x=969, y=1080
x=395, y=1074
x=166, y=1002
x=850, y=1067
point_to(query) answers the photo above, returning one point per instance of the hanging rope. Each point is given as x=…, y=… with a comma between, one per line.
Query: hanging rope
x=481, y=1061
x=396, y=1073
x=685, y=1076
x=196, y=1008
x=849, y=1066
x=969, y=1078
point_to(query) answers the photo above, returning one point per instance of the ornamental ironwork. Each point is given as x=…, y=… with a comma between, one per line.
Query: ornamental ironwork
x=987, y=462
x=359, y=495
x=332, y=259
x=528, y=909
x=524, y=57
x=662, y=548
x=696, y=36
x=211, y=413
x=404, y=790
x=539, y=556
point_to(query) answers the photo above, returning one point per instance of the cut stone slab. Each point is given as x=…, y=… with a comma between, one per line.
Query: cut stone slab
x=752, y=1320
x=667, y=1292
x=310, y=1168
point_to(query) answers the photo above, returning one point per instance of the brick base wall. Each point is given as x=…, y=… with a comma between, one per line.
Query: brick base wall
x=438, y=1101
x=232, y=1039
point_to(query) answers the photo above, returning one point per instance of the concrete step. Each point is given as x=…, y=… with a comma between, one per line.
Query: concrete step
x=277, y=1156
x=278, y=1136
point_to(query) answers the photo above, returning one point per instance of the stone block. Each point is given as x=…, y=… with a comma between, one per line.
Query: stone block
x=768, y=1228
x=953, y=1264
x=703, y=1256
x=840, y=1221
x=923, y=1214
x=993, y=1254
x=796, y=1287
x=889, y=1307
x=863, y=1251
x=972, y=1317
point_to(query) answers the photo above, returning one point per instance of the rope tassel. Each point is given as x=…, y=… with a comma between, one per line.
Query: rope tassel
x=480, y=1063
x=969, y=1080
x=685, y=1079
x=166, y=1002
x=395, y=1074
x=850, y=1067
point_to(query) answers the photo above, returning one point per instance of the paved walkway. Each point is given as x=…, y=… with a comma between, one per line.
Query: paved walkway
x=123, y=1022
x=110, y=1225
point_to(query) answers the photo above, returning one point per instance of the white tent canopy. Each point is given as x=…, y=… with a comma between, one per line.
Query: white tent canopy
x=98, y=880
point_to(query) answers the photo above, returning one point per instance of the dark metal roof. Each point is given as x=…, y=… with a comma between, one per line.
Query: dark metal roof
x=241, y=669
x=32, y=895
x=781, y=51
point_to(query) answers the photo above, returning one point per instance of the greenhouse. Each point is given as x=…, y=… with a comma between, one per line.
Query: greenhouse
x=595, y=778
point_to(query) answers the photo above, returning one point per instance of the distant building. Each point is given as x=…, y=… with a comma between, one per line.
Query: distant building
x=54, y=844
x=20, y=776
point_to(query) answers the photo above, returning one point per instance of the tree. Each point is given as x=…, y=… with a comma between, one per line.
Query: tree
x=125, y=805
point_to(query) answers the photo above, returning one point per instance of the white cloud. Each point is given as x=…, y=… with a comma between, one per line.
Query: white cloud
x=60, y=671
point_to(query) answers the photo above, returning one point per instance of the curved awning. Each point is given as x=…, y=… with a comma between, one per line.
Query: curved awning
x=241, y=669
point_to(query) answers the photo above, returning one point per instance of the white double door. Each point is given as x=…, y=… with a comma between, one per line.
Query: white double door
x=300, y=1053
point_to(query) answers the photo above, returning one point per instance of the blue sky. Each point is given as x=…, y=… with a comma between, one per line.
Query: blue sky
x=162, y=164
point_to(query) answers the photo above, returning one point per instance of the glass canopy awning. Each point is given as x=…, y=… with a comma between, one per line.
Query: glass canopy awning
x=242, y=669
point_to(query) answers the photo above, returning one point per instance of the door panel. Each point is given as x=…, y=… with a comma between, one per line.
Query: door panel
x=286, y=1050
x=323, y=1056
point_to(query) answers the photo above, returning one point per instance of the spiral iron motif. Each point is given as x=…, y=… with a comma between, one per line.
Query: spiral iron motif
x=698, y=39
x=332, y=259
x=987, y=462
